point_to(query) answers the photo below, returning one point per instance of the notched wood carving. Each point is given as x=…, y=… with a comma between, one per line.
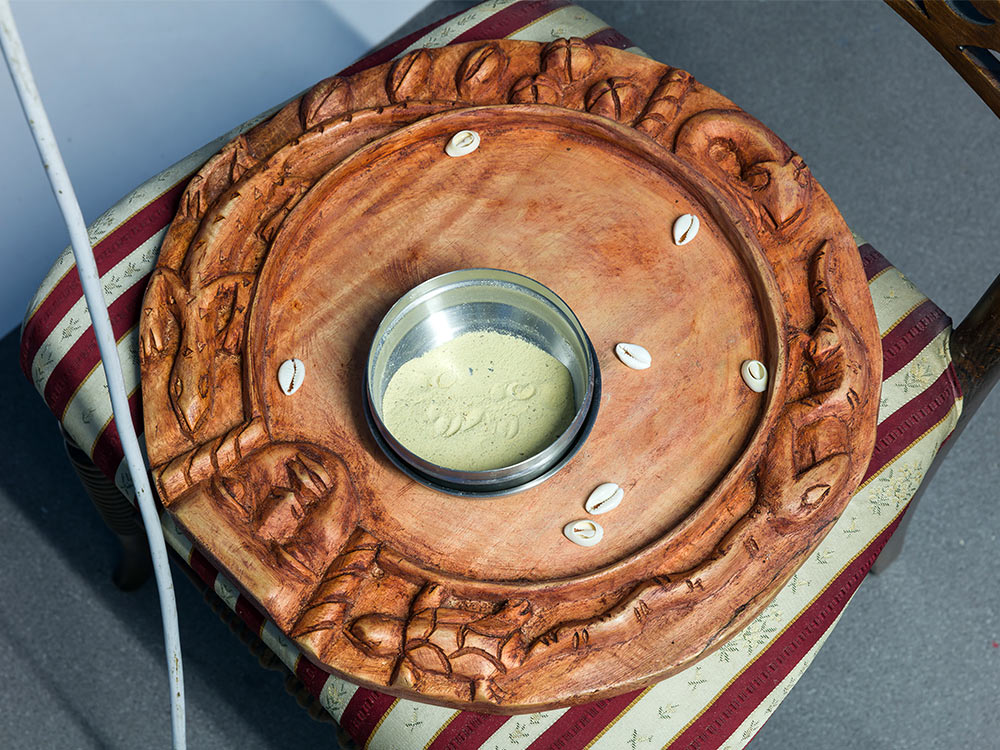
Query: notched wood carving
x=409, y=75
x=337, y=593
x=836, y=366
x=270, y=222
x=176, y=477
x=810, y=456
x=201, y=328
x=325, y=100
x=193, y=203
x=568, y=60
x=241, y=158
x=773, y=182
x=297, y=499
x=665, y=104
x=617, y=98
x=618, y=623
x=481, y=71
x=454, y=646
x=536, y=89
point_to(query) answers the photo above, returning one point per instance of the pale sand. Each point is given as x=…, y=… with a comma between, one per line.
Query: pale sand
x=481, y=401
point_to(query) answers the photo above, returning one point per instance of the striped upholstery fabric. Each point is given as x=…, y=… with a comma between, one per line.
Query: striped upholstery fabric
x=720, y=702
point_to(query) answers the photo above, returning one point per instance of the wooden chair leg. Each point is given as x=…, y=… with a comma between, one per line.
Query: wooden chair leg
x=134, y=563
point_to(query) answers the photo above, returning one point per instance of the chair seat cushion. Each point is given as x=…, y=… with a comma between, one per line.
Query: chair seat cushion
x=721, y=701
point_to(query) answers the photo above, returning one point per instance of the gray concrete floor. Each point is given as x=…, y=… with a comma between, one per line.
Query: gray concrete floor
x=909, y=154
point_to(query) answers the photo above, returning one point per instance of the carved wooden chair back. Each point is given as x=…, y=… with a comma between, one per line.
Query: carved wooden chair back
x=967, y=34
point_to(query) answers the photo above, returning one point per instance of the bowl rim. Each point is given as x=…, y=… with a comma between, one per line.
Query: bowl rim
x=527, y=472
x=498, y=488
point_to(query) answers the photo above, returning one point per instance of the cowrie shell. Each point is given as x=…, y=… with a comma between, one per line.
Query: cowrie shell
x=462, y=143
x=585, y=532
x=686, y=229
x=606, y=497
x=754, y=375
x=290, y=375
x=634, y=356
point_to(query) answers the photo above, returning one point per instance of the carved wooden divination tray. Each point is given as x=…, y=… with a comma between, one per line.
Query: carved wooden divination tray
x=295, y=240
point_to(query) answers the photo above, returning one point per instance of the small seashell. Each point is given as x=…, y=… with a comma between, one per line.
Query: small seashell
x=634, y=356
x=462, y=143
x=686, y=229
x=606, y=497
x=754, y=375
x=585, y=532
x=290, y=375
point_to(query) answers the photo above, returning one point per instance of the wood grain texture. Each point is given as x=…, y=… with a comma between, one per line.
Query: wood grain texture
x=966, y=34
x=299, y=235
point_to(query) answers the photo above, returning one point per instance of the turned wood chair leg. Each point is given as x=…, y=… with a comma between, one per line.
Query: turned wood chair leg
x=134, y=564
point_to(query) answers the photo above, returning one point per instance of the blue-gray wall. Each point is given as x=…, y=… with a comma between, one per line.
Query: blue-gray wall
x=131, y=87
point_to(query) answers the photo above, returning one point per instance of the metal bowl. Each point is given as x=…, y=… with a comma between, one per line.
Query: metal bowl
x=482, y=299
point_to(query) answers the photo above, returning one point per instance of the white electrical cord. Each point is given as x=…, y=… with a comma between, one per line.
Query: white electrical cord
x=31, y=101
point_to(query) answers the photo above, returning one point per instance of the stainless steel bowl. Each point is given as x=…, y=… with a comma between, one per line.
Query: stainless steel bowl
x=478, y=299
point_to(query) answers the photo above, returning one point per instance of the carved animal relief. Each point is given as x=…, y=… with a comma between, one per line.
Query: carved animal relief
x=292, y=242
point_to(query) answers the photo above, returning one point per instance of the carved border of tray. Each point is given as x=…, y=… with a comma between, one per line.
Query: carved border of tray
x=487, y=645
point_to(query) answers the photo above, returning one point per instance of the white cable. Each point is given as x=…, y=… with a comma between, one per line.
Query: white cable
x=31, y=101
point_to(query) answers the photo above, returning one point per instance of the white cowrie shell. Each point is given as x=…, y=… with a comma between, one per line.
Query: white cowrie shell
x=290, y=375
x=686, y=229
x=585, y=532
x=606, y=497
x=462, y=143
x=634, y=356
x=754, y=375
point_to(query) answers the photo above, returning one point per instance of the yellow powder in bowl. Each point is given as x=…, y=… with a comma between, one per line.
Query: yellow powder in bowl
x=483, y=400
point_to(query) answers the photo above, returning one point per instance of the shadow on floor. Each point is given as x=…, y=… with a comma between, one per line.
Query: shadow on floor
x=60, y=604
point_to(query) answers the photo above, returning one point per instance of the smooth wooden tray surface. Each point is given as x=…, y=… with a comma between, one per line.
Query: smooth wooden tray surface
x=666, y=439
x=296, y=240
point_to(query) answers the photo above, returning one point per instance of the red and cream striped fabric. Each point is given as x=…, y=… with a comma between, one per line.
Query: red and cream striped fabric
x=720, y=702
